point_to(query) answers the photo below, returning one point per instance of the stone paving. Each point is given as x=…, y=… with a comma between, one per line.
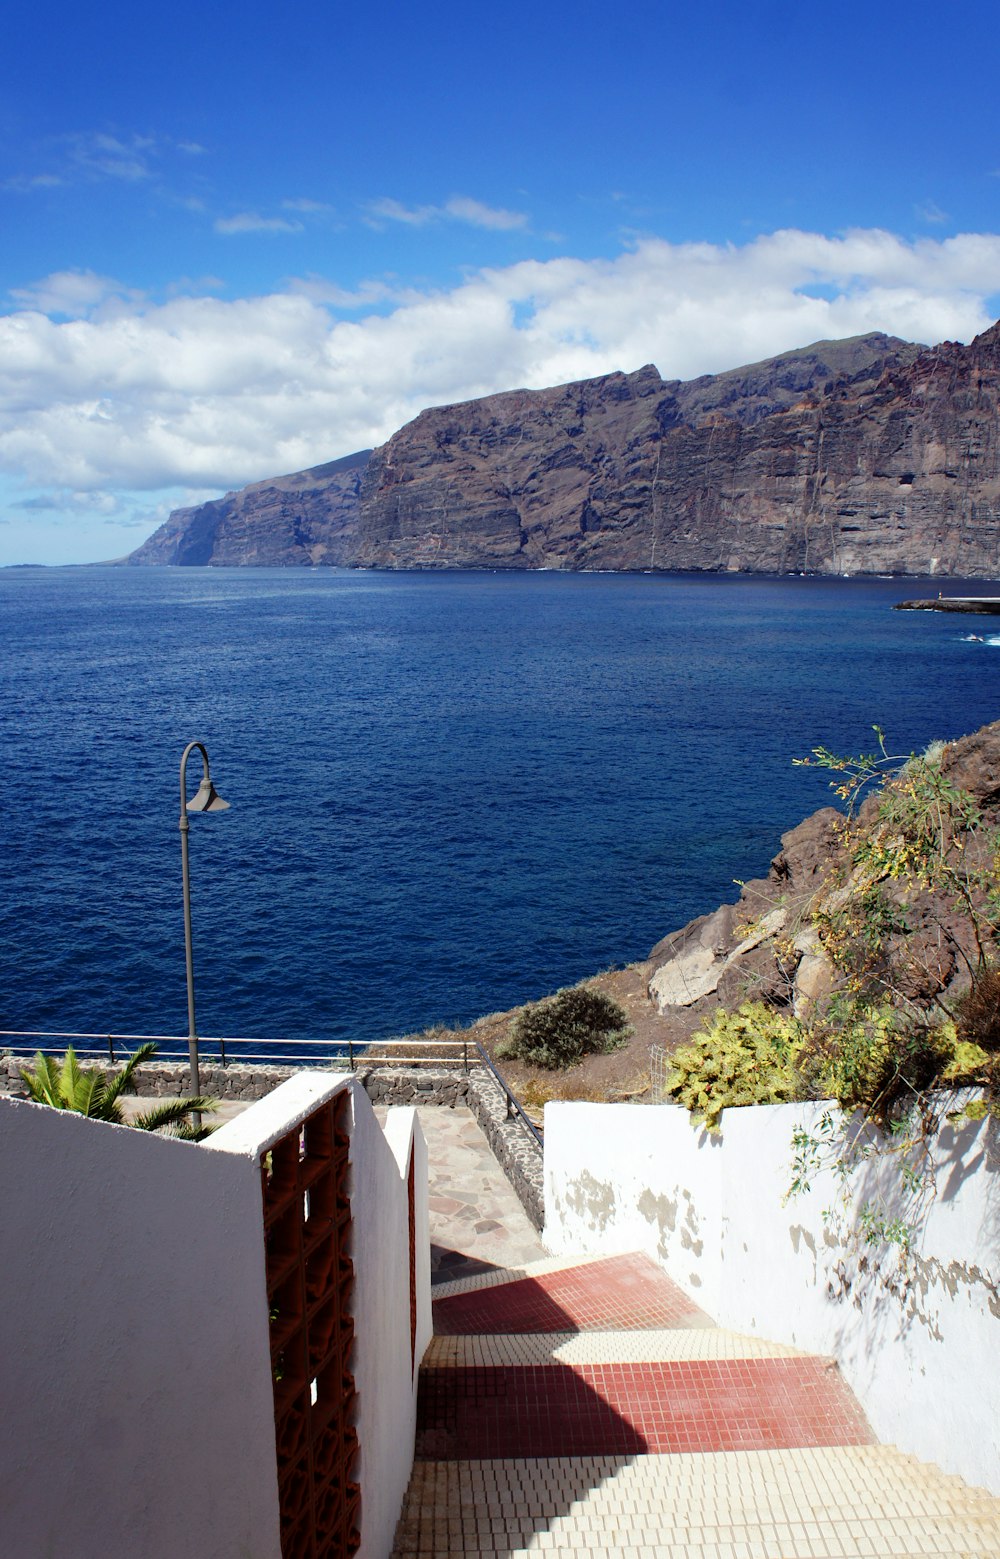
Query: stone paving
x=477, y=1223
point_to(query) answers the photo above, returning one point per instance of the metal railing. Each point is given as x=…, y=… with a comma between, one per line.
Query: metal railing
x=515, y=1110
x=234, y=1049
x=348, y=1054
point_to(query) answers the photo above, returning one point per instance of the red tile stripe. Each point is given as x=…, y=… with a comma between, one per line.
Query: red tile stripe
x=632, y=1409
x=623, y=1293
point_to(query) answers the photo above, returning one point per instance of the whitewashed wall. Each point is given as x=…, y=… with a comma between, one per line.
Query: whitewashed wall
x=385, y=1375
x=135, y=1373
x=135, y=1384
x=917, y=1339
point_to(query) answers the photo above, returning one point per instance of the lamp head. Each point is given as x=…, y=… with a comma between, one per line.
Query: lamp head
x=207, y=799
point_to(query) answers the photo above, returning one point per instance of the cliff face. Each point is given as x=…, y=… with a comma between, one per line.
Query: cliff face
x=860, y=456
x=306, y=518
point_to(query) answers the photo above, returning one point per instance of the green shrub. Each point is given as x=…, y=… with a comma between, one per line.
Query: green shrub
x=743, y=1057
x=565, y=1027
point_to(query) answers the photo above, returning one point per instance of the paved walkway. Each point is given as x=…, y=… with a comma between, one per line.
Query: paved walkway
x=477, y=1223
x=589, y=1407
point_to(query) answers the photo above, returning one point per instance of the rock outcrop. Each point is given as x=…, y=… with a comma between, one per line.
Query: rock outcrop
x=771, y=944
x=853, y=457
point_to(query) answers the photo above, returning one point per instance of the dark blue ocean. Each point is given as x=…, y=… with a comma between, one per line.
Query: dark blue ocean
x=449, y=792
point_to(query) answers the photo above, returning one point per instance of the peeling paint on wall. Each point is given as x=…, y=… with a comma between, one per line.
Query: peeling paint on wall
x=592, y=1200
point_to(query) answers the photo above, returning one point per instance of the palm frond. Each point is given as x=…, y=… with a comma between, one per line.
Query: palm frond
x=173, y=1113
x=124, y=1083
x=90, y=1096
x=43, y=1082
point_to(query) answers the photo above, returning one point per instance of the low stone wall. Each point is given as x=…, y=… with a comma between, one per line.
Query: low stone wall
x=515, y=1152
x=399, y=1085
x=172, y=1079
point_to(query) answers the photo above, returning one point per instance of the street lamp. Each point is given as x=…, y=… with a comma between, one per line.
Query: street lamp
x=205, y=799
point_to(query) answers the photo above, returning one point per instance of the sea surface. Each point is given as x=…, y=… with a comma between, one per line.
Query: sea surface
x=449, y=792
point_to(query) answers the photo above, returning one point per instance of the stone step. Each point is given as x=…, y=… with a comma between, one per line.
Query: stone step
x=497, y=1276
x=507, y=1349
x=843, y=1503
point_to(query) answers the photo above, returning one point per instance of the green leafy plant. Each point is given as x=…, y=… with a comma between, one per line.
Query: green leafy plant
x=563, y=1028
x=744, y=1057
x=89, y=1091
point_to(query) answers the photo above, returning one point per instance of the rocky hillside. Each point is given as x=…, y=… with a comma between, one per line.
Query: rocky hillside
x=879, y=913
x=862, y=456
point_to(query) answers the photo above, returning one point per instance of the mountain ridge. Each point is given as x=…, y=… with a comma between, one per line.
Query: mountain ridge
x=869, y=455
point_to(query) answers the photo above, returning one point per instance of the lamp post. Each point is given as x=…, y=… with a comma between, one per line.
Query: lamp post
x=205, y=799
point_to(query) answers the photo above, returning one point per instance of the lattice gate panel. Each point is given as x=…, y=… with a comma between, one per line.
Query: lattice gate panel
x=310, y=1276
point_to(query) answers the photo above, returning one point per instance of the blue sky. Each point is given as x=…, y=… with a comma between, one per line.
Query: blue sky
x=237, y=242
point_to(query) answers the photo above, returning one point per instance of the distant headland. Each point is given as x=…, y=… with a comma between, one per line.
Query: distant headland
x=978, y=605
x=858, y=457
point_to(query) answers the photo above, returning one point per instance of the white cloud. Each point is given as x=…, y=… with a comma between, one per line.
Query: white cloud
x=75, y=294
x=253, y=222
x=136, y=395
x=460, y=208
x=308, y=207
x=389, y=210
x=103, y=156
x=479, y=215
x=96, y=156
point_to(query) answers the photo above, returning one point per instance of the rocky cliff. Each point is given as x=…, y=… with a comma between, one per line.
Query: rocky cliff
x=862, y=456
x=920, y=929
x=309, y=517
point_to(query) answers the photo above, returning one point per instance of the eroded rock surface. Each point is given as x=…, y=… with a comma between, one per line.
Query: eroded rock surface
x=862, y=456
x=770, y=944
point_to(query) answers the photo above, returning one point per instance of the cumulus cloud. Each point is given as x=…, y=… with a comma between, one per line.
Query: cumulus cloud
x=460, y=208
x=131, y=394
x=75, y=294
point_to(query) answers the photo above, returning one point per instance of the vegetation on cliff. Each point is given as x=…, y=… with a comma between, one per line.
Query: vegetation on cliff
x=903, y=927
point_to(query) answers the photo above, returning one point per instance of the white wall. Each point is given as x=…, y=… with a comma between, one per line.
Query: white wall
x=135, y=1380
x=135, y=1383
x=385, y=1375
x=917, y=1339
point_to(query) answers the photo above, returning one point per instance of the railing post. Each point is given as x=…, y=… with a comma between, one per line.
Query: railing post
x=350, y=1046
x=222, y=1049
x=465, y=1054
x=111, y=1048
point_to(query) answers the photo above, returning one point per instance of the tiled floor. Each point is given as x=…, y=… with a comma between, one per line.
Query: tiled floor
x=589, y=1407
x=865, y=1502
x=622, y=1292
x=637, y=1428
